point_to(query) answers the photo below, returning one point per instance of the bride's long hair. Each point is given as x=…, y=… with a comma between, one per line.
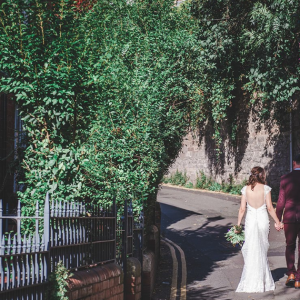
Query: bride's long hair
x=257, y=175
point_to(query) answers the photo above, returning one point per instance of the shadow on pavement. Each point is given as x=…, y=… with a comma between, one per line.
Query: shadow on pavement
x=203, y=242
x=207, y=292
x=278, y=273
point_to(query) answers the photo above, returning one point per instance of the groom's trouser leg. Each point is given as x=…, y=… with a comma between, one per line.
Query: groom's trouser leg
x=298, y=265
x=291, y=233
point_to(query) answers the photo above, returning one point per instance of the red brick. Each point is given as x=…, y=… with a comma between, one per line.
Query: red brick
x=74, y=283
x=108, y=293
x=111, y=282
x=73, y=295
x=117, y=289
x=120, y=288
x=81, y=275
x=113, y=297
x=93, y=270
x=97, y=287
x=90, y=277
x=120, y=297
x=105, y=284
x=113, y=269
x=106, y=272
x=102, y=295
x=84, y=292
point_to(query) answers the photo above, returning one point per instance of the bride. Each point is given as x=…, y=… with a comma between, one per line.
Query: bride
x=256, y=276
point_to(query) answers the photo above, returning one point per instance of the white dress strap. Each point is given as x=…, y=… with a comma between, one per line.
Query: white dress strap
x=267, y=190
x=243, y=190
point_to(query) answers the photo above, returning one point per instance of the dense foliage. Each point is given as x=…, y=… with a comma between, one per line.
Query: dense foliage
x=102, y=94
x=204, y=182
x=107, y=89
x=250, y=49
x=58, y=283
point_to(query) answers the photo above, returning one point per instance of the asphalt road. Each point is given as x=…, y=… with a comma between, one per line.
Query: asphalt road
x=197, y=222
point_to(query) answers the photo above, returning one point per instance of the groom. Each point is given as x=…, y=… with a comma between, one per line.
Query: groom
x=289, y=201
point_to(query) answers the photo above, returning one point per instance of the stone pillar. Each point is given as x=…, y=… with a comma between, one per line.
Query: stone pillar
x=148, y=275
x=132, y=281
x=154, y=243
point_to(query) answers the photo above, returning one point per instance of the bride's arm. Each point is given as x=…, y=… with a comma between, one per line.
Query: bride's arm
x=271, y=209
x=242, y=209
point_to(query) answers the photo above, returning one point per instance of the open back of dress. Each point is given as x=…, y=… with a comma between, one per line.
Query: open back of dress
x=255, y=198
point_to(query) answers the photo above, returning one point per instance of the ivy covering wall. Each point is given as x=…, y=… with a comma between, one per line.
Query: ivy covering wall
x=102, y=93
x=250, y=49
x=108, y=89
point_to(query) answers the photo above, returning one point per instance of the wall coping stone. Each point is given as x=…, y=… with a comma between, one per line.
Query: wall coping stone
x=93, y=275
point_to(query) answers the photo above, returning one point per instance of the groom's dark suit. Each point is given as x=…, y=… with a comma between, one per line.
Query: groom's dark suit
x=288, y=205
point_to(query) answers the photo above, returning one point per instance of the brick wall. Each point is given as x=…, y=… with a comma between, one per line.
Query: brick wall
x=98, y=283
x=107, y=282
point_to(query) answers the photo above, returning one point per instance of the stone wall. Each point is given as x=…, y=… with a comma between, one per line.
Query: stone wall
x=256, y=144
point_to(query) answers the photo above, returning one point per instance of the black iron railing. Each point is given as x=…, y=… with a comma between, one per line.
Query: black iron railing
x=78, y=234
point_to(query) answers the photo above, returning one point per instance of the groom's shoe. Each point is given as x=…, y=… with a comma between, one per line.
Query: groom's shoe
x=297, y=284
x=290, y=282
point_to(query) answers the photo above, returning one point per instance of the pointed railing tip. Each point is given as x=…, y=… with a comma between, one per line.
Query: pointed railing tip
x=69, y=231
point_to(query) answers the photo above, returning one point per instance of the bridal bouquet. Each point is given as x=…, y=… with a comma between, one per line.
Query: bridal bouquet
x=235, y=235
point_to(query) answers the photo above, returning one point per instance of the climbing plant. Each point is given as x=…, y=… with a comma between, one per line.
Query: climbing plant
x=107, y=89
x=102, y=92
x=250, y=49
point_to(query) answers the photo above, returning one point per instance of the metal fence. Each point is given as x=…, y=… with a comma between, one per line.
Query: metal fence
x=78, y=234
x=130, y=235
x=82, y=234
x=24, y=260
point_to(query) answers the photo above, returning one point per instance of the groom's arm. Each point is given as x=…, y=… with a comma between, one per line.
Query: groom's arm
x=281, y=202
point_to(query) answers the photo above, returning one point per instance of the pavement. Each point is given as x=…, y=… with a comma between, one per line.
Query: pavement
x=196, y=222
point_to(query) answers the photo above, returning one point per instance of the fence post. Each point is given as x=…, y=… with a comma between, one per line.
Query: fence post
x=47, y=234
x=125, y=224
x=115, y=225
x=141, y=217
x=6, y=220
x=19, y=219
x=19, y=241
x=1, y=221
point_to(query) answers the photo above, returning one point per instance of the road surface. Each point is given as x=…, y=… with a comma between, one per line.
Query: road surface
x=196, y=222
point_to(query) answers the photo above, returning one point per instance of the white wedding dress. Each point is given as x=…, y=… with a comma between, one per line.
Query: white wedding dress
x=256, y=276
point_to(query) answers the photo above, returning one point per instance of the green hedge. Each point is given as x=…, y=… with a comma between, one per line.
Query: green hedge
x=205, y=182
